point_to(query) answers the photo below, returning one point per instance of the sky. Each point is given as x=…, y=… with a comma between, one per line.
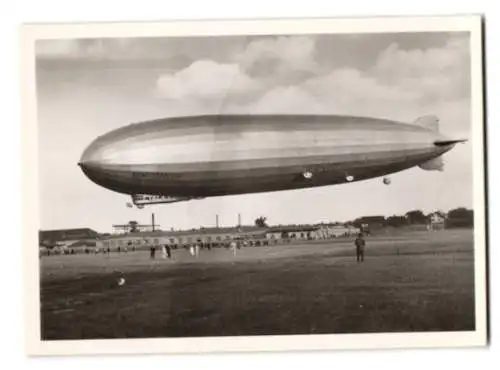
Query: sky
x=87, y=87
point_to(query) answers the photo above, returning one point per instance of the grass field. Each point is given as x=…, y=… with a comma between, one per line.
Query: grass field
x=414, y=282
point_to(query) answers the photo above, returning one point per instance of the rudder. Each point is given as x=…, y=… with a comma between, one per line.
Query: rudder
x=435, y=164
x=429, y=122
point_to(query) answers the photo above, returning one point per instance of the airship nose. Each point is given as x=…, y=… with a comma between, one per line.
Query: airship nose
x=100, y=152
x=102, y=162
x=86, y=167
x=91, y=161
x=90, y=154
x=91, y=171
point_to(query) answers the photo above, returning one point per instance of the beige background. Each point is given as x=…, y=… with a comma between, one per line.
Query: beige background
x=30, y=186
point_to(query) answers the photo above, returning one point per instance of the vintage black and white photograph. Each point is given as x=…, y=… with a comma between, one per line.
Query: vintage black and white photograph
x=225, y=190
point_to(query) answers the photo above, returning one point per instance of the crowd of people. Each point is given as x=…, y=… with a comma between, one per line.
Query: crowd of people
x=193, y=249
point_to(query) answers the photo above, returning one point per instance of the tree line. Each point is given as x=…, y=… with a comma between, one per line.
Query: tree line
x=458, y=217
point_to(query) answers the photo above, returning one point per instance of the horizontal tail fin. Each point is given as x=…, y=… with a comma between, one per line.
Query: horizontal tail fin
x=449, y=142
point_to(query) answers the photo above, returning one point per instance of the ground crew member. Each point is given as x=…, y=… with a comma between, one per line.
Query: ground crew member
x=360, y=248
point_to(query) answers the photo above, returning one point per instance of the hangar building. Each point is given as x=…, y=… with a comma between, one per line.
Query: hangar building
x=216, y=237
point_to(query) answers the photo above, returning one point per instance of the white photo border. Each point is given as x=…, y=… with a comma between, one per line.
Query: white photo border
x=30, y=33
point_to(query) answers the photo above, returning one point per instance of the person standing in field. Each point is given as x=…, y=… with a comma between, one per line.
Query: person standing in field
x=360, y=248
x=233, y=247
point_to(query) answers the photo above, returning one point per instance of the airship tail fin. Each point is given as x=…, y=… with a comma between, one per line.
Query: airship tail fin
x=435, y=164
x=449, y=142
x=429, y=122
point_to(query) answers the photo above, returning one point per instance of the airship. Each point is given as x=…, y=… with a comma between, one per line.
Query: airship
x=193, y=157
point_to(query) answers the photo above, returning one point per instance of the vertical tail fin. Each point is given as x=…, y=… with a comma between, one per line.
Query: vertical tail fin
x=435, y=164
x=429, y=122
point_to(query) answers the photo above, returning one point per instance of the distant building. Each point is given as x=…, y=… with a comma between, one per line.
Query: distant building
x=183, y=238
x=292, y=232
x=436, y=222
x=64, y=239
x=336, y=231
x=214, y=236
x=67, y=234
x=223, y=236
x=311, y=232
x=370, y=223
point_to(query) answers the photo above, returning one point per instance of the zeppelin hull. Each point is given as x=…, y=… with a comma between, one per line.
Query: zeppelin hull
x=223, y=155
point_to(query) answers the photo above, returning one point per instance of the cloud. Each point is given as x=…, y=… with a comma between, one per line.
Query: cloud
x=436, y=73
x=281, y=75
x=250, y=72
x=54, y=49
x=105, y=53
x=401, y=84
x=205, y=79
x=394, y=62
x=350, y=86
x=116, y=51
x=278, y=54
x=79, y=49
x=286, y=100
